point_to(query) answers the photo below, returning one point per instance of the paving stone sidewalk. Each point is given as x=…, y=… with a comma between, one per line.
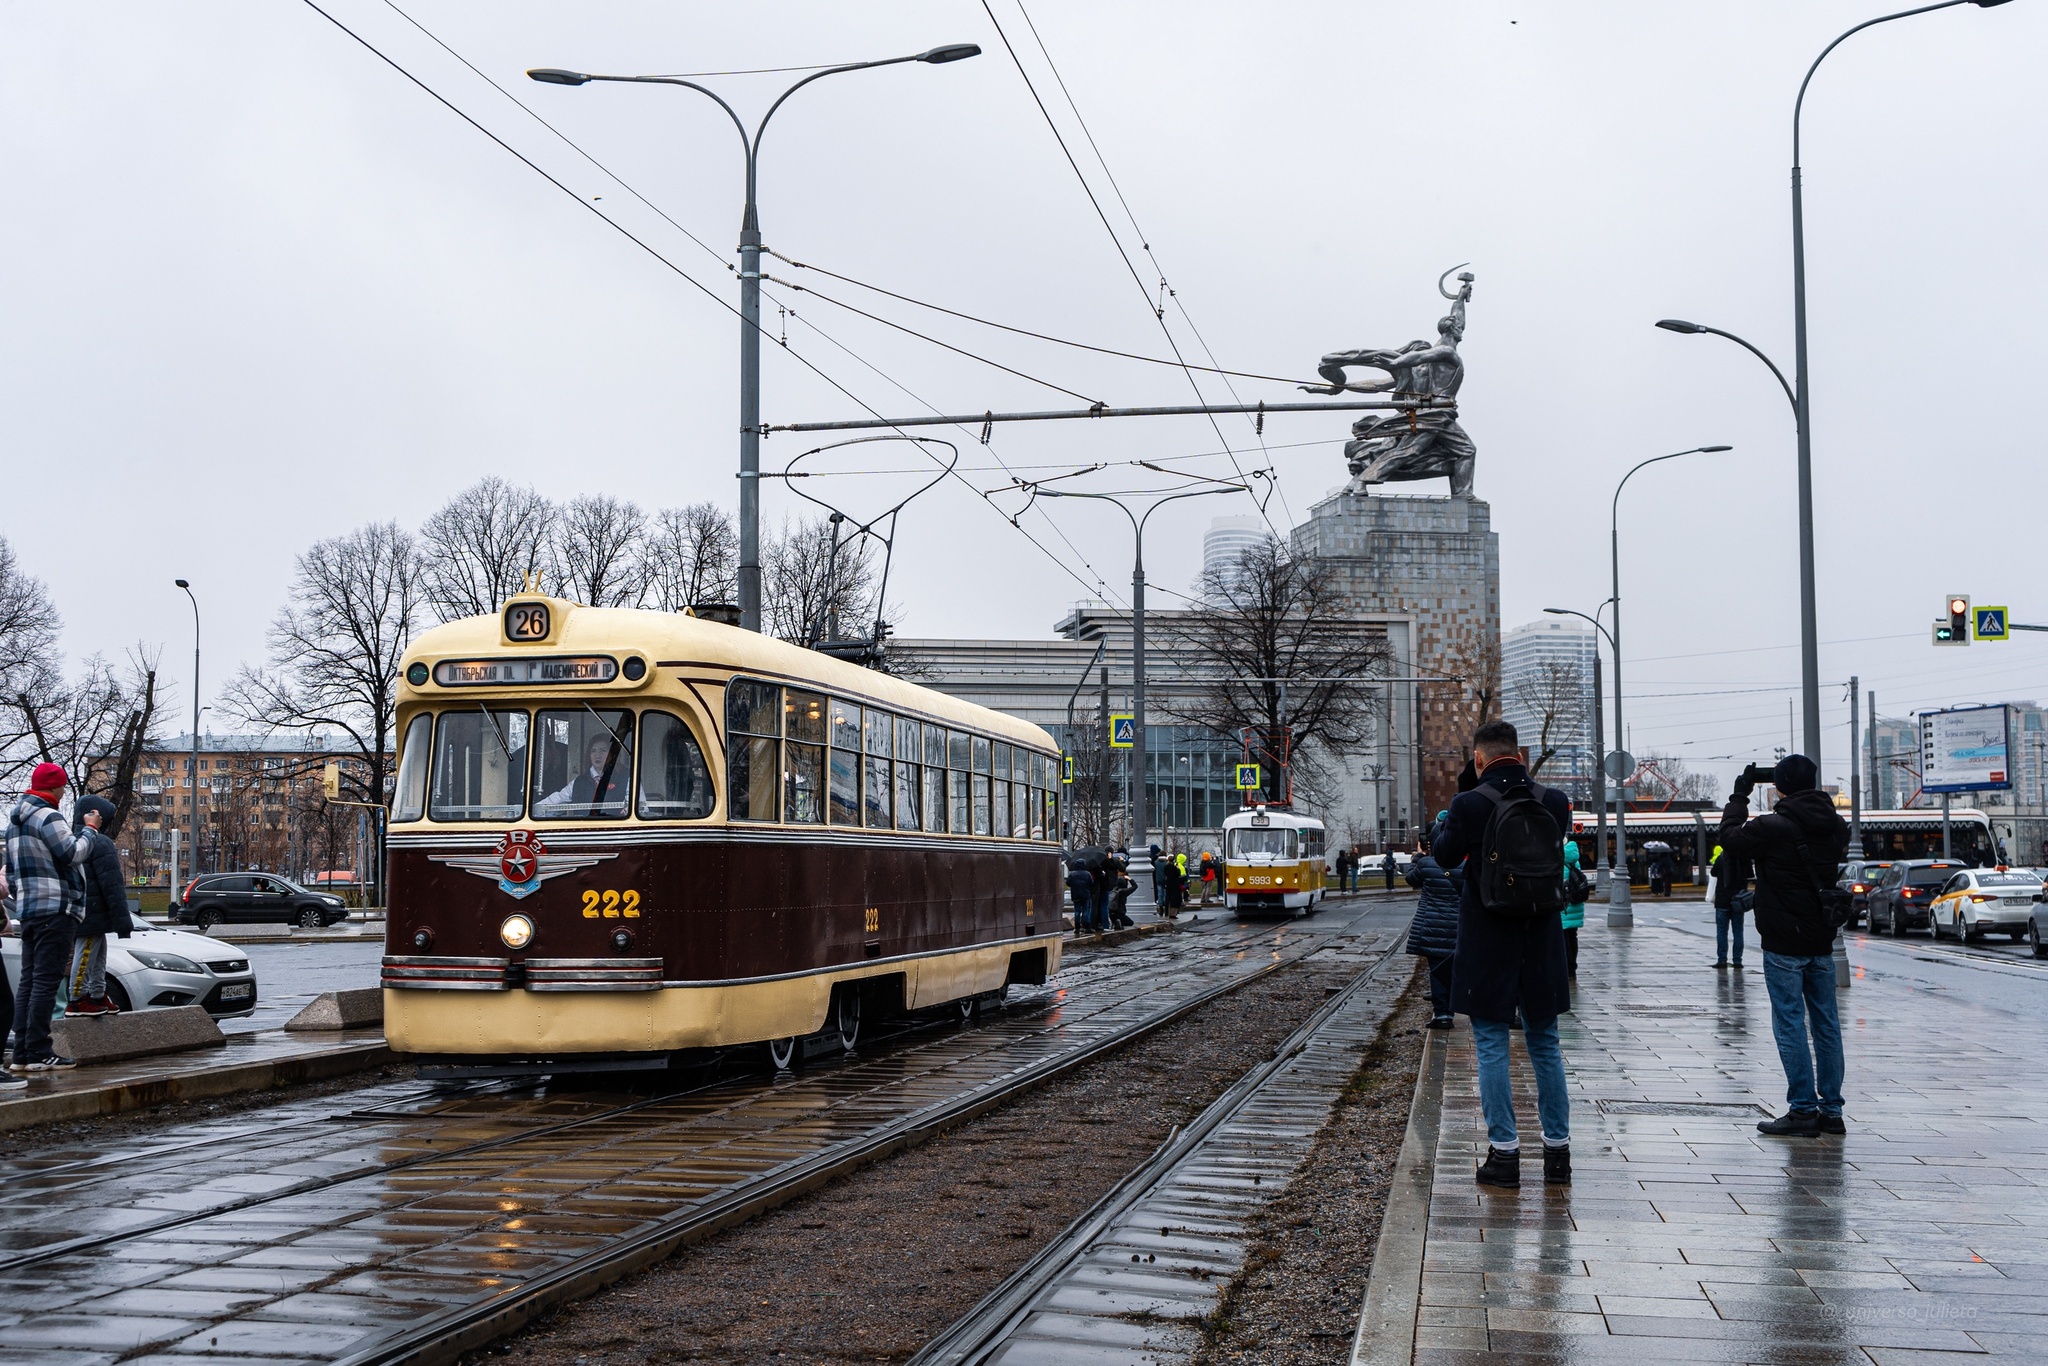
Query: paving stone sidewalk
x=1687, y=1236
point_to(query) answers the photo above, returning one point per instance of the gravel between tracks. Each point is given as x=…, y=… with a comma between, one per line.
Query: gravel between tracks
x=873, y=1266
x=1296, y=1301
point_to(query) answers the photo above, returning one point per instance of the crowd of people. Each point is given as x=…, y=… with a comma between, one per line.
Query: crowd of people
x=65, y=893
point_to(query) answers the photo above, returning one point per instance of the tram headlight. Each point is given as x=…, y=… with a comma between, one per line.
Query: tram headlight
x=516, y=932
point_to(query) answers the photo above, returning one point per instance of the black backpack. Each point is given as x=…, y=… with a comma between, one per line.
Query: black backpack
x=1576, y=888
x=1521, y=855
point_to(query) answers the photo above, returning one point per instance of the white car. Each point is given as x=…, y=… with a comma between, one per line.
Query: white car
x=154, y=968
x=1980, y=901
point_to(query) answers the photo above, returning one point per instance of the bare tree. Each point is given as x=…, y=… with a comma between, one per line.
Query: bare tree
x=1555, y=695
x=336, y=647
x=99, y=725
x=806, y=590
x=29, y=625
x=1666, y=778
x=691, y=556
x=1278, y=657
x=483, y=546
x=597, y=551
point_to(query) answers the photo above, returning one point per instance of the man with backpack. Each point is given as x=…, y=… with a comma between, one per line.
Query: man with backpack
x=1793, y=852
x=1508, y=835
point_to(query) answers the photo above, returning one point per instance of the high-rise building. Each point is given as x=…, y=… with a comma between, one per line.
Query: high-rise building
x=1228, y=538
x=1546, y=675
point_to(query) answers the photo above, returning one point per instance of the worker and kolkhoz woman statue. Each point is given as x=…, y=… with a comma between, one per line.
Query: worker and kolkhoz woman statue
x=1423, y=443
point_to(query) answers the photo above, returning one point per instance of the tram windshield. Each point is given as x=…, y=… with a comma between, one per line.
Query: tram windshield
x=583, y=763
x=1248, y=843
x=480, y=766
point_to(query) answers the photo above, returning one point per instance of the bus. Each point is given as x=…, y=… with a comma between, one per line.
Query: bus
x=1272, y=862
x=1887, y=835
x=620, y=837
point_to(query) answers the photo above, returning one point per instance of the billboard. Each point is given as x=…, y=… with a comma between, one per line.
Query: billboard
x=1964, y=750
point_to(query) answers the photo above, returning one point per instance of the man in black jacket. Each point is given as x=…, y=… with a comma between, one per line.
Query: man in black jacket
x=1506, y=963
x=106, y=912
x=1794, y=851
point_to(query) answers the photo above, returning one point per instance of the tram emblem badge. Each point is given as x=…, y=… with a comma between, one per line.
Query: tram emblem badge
x=520, y=863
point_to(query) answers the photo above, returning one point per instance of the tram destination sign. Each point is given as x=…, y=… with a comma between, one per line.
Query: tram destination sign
x=519, y=673
x=1965, y=750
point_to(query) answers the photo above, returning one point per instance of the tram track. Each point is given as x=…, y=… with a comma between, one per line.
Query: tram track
x=712, y=1129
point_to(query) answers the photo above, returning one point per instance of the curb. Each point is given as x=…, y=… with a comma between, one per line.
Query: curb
x=1393, y=1291
x=201, y=1083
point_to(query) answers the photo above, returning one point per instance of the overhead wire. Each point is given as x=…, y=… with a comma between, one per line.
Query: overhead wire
x=634, y=238
x=1145, y=245
x=1116, y=240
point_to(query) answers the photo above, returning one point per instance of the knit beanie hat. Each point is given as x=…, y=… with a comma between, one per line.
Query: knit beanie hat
x=48, y=778
x=1795, y=773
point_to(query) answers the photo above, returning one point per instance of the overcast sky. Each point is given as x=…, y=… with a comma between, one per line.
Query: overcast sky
x=257, y=288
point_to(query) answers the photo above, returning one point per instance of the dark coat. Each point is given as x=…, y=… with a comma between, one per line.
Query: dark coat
x=106, y=891
x=1731, y=875
x=1789, y=919
x=1434, y=931
x=1503, y=963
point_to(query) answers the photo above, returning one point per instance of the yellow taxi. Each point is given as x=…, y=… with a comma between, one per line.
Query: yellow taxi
x=1980, y=901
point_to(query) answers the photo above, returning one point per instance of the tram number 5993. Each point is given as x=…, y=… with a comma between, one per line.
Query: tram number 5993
x=610, y=904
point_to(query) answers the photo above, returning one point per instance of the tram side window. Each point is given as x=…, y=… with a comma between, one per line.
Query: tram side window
x=844, y=805
x=411, y=801
x=875, y=809
x=999, y=801
x=582, y=763
x=909, y=780
x=753, y=767
x=935, y=790
x=675, y=782
x=959, y=754
x=803, y=757
x=479, y=766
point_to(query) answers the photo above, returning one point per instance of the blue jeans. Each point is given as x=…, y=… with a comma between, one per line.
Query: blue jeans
x=1496, y=1096
x=1802, y=1001
x=1728, y=925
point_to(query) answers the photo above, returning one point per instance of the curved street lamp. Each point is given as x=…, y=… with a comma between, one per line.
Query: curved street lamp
x=750, y=286
x=192, y=852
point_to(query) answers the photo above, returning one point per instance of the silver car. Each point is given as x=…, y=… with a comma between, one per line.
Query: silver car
x=154, y=968
x=1981, y=901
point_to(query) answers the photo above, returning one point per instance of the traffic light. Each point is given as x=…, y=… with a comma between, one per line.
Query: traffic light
x=1954, y=629
x=330, y=780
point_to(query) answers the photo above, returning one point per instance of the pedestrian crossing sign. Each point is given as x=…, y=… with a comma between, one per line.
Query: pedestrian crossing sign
x=1066, y=768
x=1247, y=777
x=1991, y=624
x=1123, y=730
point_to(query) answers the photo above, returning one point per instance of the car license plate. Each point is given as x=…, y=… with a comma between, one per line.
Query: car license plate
x=238, y=991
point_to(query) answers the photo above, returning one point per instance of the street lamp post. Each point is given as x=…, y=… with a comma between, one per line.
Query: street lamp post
x=192, y=852
x=1809, y=630
x=1140, y=816
x=1620, y=912
x=1600, y=880
x=750, y=289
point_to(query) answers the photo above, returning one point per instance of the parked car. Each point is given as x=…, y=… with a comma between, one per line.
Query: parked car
x=1900, y=900
x=1859, y=876
x=228, y=898
x=154, y=968
x=2037, y=929
x=1982, y=901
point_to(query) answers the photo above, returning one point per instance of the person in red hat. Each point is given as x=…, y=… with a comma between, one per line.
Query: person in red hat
x=45, y=868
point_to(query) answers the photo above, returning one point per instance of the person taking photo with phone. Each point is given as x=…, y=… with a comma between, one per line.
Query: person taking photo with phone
x=1794, y=851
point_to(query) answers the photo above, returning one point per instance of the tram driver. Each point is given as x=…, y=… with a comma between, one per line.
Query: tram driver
x=600, y=789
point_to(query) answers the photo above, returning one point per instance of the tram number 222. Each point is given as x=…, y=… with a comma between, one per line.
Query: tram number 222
x=610, y=904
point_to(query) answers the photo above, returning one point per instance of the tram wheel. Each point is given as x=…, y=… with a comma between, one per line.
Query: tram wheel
x=781, y=1053
x=846, y=1018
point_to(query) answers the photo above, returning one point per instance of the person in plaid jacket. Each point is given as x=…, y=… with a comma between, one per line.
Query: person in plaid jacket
x=45, y=862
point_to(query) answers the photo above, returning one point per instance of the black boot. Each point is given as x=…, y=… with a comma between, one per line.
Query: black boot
x=1557, y=1165
x=1500, y=1169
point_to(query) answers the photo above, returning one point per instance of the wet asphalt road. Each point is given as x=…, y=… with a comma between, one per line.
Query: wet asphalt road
x=290, y=975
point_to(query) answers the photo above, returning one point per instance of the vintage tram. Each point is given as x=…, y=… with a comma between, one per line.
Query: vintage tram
x=621, y=836
x=1272, y=862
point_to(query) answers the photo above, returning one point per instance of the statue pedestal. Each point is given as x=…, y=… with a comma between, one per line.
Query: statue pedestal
x=1435, y=561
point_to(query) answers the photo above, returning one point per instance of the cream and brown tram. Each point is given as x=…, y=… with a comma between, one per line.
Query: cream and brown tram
x=619, y=836
x=1272, y=862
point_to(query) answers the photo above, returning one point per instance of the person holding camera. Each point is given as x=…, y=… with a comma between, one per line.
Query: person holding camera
x=1793, y=852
